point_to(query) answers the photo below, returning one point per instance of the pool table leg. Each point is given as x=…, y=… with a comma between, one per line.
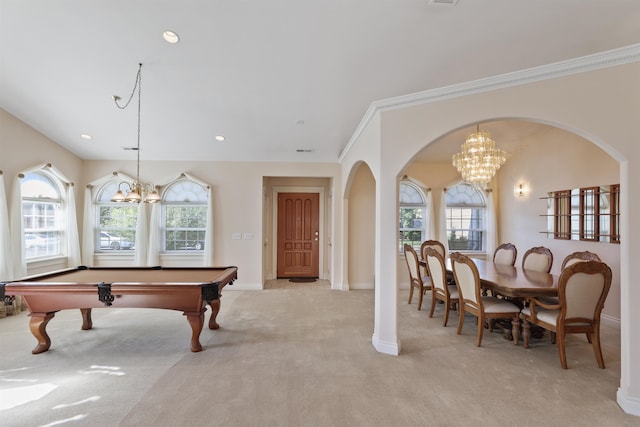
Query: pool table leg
x=196, y=321
x=215, y=309
x=87, y=323
x=38, y=326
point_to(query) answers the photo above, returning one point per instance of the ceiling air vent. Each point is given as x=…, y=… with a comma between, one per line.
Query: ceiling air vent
x=304, y=150
x=444, y=2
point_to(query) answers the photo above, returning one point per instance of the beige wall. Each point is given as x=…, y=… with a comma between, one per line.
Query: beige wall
x=362, y=208
x=556, y=160
x=241, y=200
x=24, y=148
x=274, y=185
x=551, y=160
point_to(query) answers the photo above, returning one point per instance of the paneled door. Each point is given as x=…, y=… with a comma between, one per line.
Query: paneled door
x=298, y=234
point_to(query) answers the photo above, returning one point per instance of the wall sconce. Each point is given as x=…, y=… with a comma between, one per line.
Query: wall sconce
x=520, y=190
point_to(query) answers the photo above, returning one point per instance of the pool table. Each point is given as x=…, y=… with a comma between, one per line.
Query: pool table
x=184, y=289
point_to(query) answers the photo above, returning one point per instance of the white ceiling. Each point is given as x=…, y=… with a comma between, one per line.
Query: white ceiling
x=272, y=76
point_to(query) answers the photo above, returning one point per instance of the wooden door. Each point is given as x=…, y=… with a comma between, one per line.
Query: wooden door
x=298, y=234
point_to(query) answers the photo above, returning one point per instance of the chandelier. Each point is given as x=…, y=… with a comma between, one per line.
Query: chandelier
x=478, y=159
x=135, y=191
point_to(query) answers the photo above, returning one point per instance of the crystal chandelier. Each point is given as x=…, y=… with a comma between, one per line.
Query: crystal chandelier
x=135, y=191
x=478, y=159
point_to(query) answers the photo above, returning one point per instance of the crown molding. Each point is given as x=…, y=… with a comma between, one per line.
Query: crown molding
x=610, y=58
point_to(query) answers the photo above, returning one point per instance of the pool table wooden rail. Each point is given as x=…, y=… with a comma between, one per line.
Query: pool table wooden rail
x=188, y=290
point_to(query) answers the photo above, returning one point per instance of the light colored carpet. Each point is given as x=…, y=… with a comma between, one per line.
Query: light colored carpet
x=297, y=354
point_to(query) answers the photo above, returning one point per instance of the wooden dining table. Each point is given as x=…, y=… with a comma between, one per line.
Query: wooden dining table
x=514, y=283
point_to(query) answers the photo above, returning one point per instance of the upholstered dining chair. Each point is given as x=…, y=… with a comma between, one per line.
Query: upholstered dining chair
x=435, y=244
x=538, y=259
x=505, y=254
x=582, y=290
x=441, y=290
x=471, y=300
x=417, y=281
x=579, y=257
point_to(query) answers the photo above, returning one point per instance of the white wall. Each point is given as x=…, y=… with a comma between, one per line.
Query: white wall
x=600, y=104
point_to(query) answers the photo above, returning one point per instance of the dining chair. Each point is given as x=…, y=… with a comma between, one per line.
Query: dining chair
x=579, y=257
x=471, y=300
x=435, y=244
x=441, y=290
x=417, y=281
x=538, y=259
x=582, y=290
x=505, y=254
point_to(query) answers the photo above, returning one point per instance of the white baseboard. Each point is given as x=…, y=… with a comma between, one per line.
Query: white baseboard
x=610, y=321
x=386, y=347
x=630, y=405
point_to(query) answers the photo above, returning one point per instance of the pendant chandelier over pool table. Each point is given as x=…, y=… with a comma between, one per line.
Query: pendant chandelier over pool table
x=135, y=191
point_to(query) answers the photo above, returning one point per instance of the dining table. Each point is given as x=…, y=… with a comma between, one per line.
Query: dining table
x=514, y=283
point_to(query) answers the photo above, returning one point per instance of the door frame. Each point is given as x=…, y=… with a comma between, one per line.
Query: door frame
x=274, y=226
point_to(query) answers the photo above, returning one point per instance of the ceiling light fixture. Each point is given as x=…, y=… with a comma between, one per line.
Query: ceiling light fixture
x=85, y=136
x=220, y=138
x=170, y=36
x=479, y=159
x=136, y=192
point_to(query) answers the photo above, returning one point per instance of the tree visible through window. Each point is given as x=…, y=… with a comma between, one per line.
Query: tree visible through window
x=412, y=215
x=42, y=216
x=466, y=208
x=184, y=213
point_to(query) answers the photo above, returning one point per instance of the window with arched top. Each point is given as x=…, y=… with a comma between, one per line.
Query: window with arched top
x=115, y=222
x=412, y=215
x=42, y=213
x=184, y=216
x=466, y=212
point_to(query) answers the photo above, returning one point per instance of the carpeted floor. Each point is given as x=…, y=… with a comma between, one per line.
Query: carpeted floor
x=297, y=354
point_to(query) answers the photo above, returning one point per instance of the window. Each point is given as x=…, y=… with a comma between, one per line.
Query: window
x=466, y=210
x=588, y=213
x=184, y=216
x=412, y=215
x=116, y=222
x=42, y=215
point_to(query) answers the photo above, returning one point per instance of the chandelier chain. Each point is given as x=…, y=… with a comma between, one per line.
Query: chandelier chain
x=116, y=98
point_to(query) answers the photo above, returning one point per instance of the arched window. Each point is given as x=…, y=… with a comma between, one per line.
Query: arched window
x=466, y=212
x=184, y=216
x=412, y=215
x=42, y=213
x=115, y=222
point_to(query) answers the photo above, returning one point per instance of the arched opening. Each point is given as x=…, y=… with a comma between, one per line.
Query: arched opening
x=361, y=228
x=541, y=158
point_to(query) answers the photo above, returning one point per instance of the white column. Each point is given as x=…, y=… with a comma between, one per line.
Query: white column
x=628, y=396
x=385, y=332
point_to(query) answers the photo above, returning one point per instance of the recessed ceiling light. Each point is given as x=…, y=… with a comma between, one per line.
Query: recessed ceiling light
x=170, y=36
x=219, y=138
x=86, y=136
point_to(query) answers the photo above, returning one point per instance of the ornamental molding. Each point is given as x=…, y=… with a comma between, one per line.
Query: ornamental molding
x=611, y=58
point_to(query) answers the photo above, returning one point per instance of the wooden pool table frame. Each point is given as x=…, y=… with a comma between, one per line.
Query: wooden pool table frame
x=186, y=289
